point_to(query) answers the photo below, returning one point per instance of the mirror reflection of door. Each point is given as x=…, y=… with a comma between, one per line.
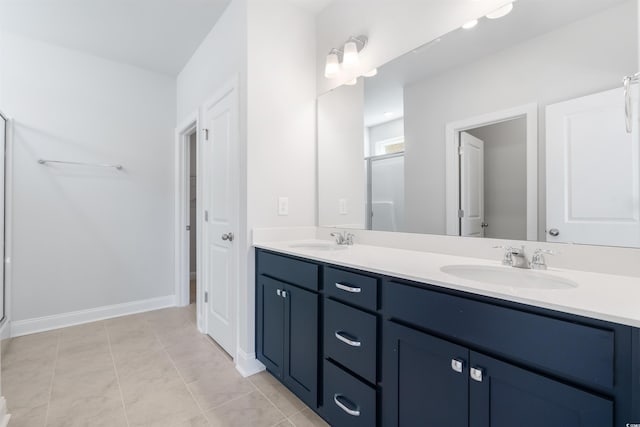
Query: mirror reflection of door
x=493, y=180
x=471, y=186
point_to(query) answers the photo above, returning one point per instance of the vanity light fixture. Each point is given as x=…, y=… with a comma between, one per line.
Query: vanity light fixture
x=332, y=66
x=471, y=24
x=371, y=73
x=349, y=57
x=500, y=12
x=352, y=49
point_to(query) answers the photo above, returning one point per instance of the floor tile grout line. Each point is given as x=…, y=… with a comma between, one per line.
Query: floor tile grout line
x=115, y=369
x=274, y=405
x=53, y=375
x=185, y=384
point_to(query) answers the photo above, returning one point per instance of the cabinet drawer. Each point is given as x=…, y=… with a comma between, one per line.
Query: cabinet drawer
x=296, y=272
x=347, y=401
x=571, y=350
x=353, y=288
x=350, y=338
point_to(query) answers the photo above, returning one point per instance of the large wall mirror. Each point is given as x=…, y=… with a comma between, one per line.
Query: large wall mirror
x=514, y=129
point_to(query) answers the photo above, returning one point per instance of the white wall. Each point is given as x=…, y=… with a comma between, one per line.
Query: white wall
x=341, y=157
x=269, y=45
x=281, y=143
x=505, y=178
x=383, y=132
x=87, y=237
x=393, y=27
x=544, y=70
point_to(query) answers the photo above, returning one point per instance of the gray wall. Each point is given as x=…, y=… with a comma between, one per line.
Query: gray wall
x=505, y=178
x=570, y=62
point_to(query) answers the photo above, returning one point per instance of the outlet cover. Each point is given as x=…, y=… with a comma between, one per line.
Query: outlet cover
x=343, y=207
x=283, y=206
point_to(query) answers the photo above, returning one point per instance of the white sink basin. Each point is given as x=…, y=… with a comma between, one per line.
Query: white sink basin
x=319, y=246
x=509, y=276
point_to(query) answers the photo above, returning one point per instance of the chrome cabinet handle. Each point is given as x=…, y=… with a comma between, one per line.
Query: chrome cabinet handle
x=346, y=340
x=457, y=365
x=278, y=292
x=284, y=294
x=476, y=374
x=348, y=288
x=352, y=412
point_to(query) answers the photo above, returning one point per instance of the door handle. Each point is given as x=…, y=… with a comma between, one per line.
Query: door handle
x=352, y=412
x=554, y=232
x=348, y=288
x=228, y=237
x=340, y=335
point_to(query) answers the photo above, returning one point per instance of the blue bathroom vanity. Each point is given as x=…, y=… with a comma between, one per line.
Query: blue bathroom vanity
x=366, y=349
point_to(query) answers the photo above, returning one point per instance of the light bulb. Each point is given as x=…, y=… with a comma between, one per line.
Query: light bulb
x=371, y=73
x=471, y=24
x=499, y=13
x=351, y=55
x=332, y=66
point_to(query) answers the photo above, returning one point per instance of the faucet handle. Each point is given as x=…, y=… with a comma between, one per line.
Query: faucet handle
x=538, y=261
x=349, y=238
x=508, y=254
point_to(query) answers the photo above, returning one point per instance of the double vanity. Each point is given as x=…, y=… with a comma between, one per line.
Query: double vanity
x=374, y=336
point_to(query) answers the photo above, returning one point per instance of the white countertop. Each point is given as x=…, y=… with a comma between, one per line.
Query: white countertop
x=600, y=296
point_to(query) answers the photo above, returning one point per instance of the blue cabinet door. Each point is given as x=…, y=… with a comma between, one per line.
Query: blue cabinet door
x=270, y=324
x=425, y=380
x=502, y=395
x=301, y=344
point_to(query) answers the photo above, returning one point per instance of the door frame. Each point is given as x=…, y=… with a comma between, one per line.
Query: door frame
x=230, y=88
x=182, y=183
x=5, y=324
x=452, y=166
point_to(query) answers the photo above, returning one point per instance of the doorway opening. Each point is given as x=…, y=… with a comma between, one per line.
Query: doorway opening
x=493, y=180
x=192, y=224
x=492, y=168
x=187, y=180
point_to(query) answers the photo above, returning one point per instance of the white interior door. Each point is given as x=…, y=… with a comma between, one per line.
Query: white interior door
x=593, y=172
x=471, y=186
x=3, y=131
x=220, y=201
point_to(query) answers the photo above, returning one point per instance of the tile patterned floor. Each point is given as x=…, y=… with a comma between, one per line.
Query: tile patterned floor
x=150, y=369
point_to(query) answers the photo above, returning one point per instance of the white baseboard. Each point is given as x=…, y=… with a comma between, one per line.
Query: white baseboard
x=47, y=323
x=247, y=364
x=4, y=417
x=5, y=332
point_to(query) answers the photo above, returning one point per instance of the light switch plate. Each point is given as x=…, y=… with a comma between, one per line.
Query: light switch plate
x=283, y=206
x=343, y=207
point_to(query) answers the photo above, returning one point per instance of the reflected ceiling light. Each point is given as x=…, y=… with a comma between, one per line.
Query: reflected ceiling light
x=471, y=24
x=389, y=114
x=332, y=66
x=500, y=12
x=352, y=49
x=352, y=82
x=371, y=73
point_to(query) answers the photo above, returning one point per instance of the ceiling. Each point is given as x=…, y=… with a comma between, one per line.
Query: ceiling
x=158, y=35
x=530, y=18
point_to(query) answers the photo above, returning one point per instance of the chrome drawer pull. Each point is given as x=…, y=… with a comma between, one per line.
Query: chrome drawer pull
x=348, y=288
x=476, y=374
x=352, y=412
x=347, y=340
x=457, y=365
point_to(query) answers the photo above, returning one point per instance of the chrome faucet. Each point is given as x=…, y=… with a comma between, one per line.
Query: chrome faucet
x=517, y=258
x=343, y=238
